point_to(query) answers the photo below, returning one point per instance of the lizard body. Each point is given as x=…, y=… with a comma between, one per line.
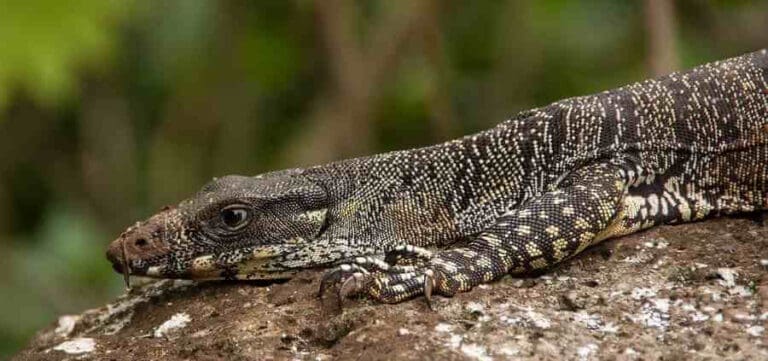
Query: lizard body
x=522, y=196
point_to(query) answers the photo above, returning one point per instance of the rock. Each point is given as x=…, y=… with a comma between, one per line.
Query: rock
x=173, y=325
x=592, y=308
x=76, y=346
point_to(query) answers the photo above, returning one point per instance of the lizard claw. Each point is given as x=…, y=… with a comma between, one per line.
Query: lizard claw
x=429, y=285
x=352, y=285
x=358, y=270
x=329, y=278
x=338, y=274
x=383, y=280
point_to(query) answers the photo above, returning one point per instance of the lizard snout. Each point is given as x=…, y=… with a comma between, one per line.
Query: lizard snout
x=142, y=242
x=115, y=257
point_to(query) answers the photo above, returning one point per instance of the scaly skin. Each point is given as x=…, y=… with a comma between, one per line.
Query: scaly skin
x=524, y=195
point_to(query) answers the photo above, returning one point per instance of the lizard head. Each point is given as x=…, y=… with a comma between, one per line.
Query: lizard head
x=235, y=228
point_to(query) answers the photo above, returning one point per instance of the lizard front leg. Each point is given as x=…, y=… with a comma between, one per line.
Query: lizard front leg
x=552, y=227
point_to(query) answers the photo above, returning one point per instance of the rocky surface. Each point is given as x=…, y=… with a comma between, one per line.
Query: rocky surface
x=695, y=291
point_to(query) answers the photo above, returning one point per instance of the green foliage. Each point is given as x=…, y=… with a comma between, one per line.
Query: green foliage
x=45, y=42
x=112, y=109
x=53, y=271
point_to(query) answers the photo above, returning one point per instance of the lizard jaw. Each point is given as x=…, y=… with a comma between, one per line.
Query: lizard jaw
x=256, y=264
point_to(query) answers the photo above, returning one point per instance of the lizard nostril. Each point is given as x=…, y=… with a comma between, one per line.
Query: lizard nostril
x=141, y=242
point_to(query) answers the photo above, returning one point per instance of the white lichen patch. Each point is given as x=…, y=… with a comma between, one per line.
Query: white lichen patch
x=594, y=322
x=476, y=352
x=640, y=293
x=443, y=327
x=654, y=314
x=77, y=346
x=755, y=331
x=718, y=317
x=742, y=317
x=115, y=316
x=591, y=322
x=507, y=350
x=66, y=324
x=727, y=277
x=454, y=341
x=586, y=351
x=693, y=312
x=538, y=320
x=741, y=291
x=175, y=323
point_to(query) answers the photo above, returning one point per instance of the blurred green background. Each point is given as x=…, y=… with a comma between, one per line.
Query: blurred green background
x=111, y=109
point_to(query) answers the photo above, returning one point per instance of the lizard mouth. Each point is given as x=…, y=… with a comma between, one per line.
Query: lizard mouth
x=142, y=250
x=117, y=254
x=255, y=263
x=125, y=265
x=128, y=267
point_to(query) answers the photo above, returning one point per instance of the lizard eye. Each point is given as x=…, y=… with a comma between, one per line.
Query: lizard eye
x=235, y=217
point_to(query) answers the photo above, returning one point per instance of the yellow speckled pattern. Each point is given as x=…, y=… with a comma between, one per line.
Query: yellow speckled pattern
x=520, y=197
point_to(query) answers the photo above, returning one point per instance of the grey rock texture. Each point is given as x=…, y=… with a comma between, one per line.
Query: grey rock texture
x=693, y=291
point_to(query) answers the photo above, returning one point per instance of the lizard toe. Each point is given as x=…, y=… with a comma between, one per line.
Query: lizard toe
x=407, y=254
x=353, y=276
x=393, y=287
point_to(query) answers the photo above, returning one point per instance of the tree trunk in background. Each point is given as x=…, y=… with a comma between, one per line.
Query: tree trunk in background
x=442, y=118
x=341, y=122
x=661, y=38
x=236, y=138
x=209, y=128
x=108, y=156
x=518, y=56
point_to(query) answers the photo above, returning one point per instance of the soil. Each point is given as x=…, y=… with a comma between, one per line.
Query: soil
x=695, y=291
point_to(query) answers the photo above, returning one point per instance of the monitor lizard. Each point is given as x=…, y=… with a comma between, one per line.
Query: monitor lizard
x=518, y=198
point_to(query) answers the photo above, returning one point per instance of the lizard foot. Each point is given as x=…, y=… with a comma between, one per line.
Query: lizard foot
x=356, y=275
x=390, y=282
x=427, y=279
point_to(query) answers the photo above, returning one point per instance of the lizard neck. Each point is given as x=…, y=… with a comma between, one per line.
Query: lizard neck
x=445, y=191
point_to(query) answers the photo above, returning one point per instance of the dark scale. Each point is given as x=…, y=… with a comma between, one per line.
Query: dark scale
x=518, y=198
